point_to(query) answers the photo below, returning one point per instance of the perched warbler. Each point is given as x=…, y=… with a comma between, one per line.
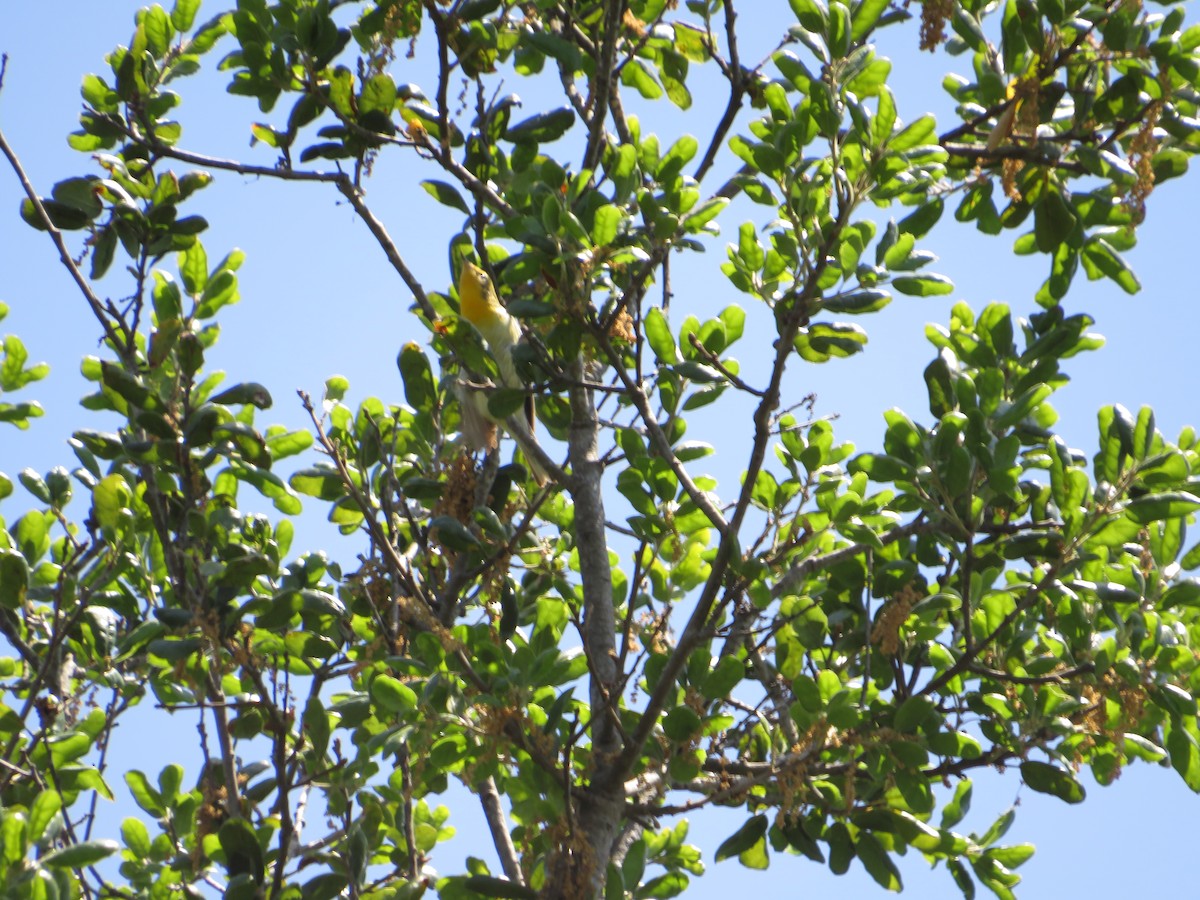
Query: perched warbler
x=481, y=306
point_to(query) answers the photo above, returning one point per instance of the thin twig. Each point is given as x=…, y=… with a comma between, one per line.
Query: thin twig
x=216, y=162
x=1020, y=152
x=658, y=438
x=1056, y=677
x=121, y=344
x=344, y=183
x=794, y=576
x=410, y=831
x=354, y=195
x=493, y=811
x=715, y=361
x=737, y=91
x=603, y=86
x=698, y=626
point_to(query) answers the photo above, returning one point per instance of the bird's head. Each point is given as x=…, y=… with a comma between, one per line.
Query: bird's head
x=476, y=295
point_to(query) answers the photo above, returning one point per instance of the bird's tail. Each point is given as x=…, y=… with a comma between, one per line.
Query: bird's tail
x=523, y=434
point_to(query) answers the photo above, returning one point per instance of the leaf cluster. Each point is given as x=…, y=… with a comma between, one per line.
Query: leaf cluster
x=822, y=647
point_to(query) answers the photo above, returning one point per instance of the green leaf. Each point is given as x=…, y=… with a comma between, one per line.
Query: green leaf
x=34, y=483
x=913, y=713
x=724, y=677
x=283, y=444
x=692, y=42
x=744, y=838
x=159, y=30
x=658, y=335
x=128, y=387
x=243, y=854
x=962, y=878
x=80, y=193
x=882, y=468
x=220, y=290
x=44, y=808
x=32, y=534
x=169, y=780
x=681, y=723
x=322, y=482
x=749, y=249
x=543, y=127
x=812, y=14
x=327, y=886
x=447, y=195
x=703, y=214
x=1022, y=406
x=1054, y=221
x=1185, y=754
x=555, y=47
x=854, y=303
x=453, y=533
x=167, y=298
x=677, y=156
x=62, y=216
x=504, y=402
x=998, y=828
x=98, y=95
x=821, y=341
x=13, y=579
x=1100, y=258
x=895, y=254
x=136, y=837
x=919, y=132
x=634, y=74
x=265, y=133
x=336, y=387
x=378, y=96
x=1012, y=857
x=250, y=393
x=269, y=485
x=491, y=886
x=841, y=848
x=1170, y=162
x=923, y=285
x=1156, y=507
x=13, y=835
x=959, y=805
x=393, y=695
x=877, y=862
x=633, y=867
x=144, y=794
x=605, y=224
x=919, y=222
x=78, y=856
x=415, y=371
x=183, y=14
x=242, y=442
x=1046, y=778
x=733, y=317
x=865, y=17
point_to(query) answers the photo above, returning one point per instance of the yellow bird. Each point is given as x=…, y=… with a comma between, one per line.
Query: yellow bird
x=481, y=306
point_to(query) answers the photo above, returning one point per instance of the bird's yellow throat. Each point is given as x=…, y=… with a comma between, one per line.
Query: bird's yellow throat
x=477, y=297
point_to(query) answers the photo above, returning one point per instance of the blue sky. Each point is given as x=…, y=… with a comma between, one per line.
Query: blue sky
x=318, y=298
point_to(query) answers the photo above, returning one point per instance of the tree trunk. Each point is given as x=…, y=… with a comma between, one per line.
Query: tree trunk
x=576, y=868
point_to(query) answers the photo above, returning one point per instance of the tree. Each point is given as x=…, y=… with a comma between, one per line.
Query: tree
x=822, y=648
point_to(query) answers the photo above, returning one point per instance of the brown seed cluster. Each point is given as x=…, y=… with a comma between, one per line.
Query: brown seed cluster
x=934, y=14
x=886, y=631
x=622, y=327
x=458, y=499
x=1142, y=149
